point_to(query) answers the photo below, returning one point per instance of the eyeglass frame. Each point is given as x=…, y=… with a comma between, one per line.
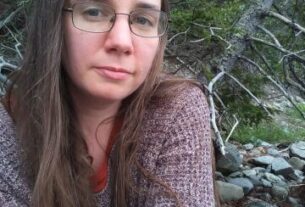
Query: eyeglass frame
x=70, y=9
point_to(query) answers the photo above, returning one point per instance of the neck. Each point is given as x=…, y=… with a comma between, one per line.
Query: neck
x=91, y=112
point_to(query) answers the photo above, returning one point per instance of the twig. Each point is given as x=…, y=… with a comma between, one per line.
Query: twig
x=233, y=128
x=286, y=20
x=262, y=71
x=249, y=92
x=9, y=18
x=178, y=34
x=276, y=41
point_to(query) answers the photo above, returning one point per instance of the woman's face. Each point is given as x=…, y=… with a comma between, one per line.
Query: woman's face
x=108, y=66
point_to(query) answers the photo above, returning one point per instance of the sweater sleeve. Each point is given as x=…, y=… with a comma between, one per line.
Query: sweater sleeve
x=184, y=163
x=13, y=191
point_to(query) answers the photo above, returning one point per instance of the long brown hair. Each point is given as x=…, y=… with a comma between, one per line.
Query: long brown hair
x=55, y=153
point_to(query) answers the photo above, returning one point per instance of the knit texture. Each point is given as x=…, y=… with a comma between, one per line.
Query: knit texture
x=174, y=147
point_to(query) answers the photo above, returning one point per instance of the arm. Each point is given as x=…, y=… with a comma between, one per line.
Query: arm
x=185, y=160
x=13, y=192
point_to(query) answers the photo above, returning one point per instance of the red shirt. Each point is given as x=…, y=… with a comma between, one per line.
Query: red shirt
x=99, y=179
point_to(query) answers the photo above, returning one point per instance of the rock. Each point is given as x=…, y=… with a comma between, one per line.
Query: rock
x=231, y=161
x=263, y=160
x=219, y=176
x=279, y=193
x=249, y=173
x=266, y=144
x=248, y=146
x=255, y=153
x=297, y=175
x=255, y=180
x=228, y=191
x=266, y=183
x=272, y=178
x=281, y=166
x=294, y=202
x=273, y=152
x=236, y=174
x=297, y=163
x=259, y=204
x=259, y=169
x=298, y=149
x=245, y=183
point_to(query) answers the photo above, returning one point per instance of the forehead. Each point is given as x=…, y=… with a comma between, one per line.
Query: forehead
x=156, y=4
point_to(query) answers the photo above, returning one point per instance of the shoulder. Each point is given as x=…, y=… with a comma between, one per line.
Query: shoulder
x=179, y=98
x=179, y=116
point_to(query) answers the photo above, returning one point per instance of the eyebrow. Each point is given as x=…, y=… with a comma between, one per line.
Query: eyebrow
x=142, y=5
x=145, y=5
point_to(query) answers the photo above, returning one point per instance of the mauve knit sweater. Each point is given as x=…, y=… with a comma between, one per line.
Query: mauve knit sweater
x=175, y=146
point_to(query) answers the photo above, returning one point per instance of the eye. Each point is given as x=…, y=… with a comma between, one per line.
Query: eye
x=94, y=12
x=143, y=20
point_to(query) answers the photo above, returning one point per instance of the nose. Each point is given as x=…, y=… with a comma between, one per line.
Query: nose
x=119, y=38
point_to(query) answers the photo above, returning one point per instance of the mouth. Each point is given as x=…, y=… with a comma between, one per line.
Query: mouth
x=114, y=73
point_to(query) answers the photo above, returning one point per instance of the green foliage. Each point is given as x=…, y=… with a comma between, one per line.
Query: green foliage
x=238, y=101
x=296, y=114
x=207, y=13
x=268, y=131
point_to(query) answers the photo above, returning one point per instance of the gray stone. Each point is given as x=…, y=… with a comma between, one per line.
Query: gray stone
x=259, y=204
x=259, y=169
x=295, y=202
x=249, y=173
x=228, y=191
x=281, y=166
x=264, y=196
x=249, y=146
x=255, y=152
x=298, y=149
x=219, y=176
x=266, y=183
x=273, y=152
x=272, y=178
x=263, y=160
x=279, y=193
x=297, y=163
x=231, y=161
x=265, y=144
x=255, y=180
x=245, y=183
x=297, y=175
x=236, y=174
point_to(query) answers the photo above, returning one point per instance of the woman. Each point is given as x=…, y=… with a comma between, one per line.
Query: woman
x=92, y=122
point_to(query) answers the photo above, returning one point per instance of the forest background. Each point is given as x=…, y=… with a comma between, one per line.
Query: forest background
x=248, y=54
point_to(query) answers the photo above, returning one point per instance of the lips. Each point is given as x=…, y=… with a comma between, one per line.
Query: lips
x=114, y=73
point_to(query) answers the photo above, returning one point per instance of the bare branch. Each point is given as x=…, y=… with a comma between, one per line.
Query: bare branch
x=262, y=71
x=249, y=92
x=219, y=140
x=178, y=34
x=276, y=41
x=9, y=18
x=286, y=20
x=294, y=54
x=233, y=128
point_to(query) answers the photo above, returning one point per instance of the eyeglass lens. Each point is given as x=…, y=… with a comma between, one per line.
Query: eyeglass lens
x=100, y=17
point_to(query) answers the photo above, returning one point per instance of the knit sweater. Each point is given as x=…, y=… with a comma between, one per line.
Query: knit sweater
x=174, y=146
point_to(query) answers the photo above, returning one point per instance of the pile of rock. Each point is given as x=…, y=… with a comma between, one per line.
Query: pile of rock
x=262, y=175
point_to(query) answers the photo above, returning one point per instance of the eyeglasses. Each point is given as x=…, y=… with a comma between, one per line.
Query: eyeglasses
x=98, y=17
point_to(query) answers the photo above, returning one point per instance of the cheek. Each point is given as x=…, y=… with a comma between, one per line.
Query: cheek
x=147, y=54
